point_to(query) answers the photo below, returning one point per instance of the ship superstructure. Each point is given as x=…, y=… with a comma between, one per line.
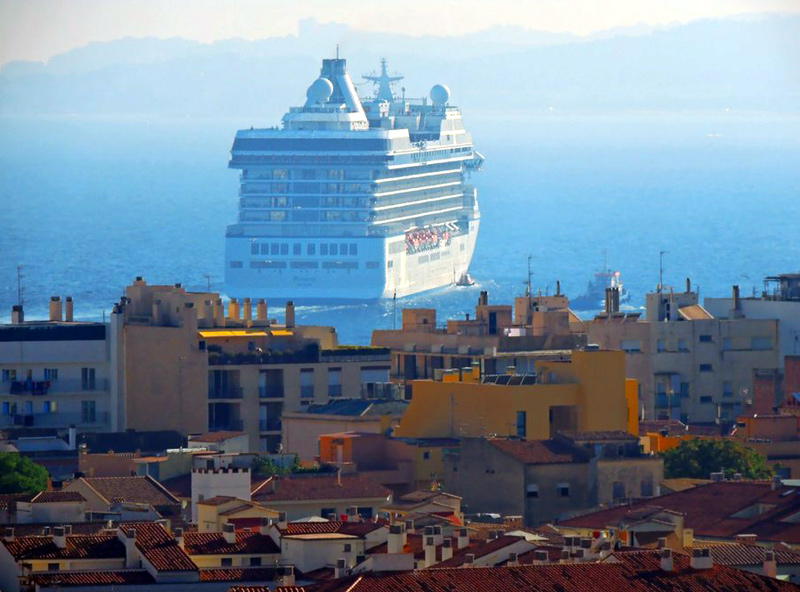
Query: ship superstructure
x=354, y=198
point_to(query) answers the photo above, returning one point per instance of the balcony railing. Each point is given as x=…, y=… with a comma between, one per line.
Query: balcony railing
x=230, y=392
x=55, y=420
x=44, y=387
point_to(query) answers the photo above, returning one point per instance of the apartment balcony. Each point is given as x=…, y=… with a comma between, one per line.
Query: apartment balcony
x=270, y=392
x=355, y=354
x=44, y=387
x=230, y=392
x=55, y=420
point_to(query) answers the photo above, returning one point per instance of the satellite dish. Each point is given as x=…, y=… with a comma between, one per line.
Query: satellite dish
x=440, y=94
x=319, y=92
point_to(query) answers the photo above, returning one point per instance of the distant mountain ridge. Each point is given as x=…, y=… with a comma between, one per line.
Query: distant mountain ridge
x=711, y=64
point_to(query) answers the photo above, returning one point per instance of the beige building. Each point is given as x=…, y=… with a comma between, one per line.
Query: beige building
x=499, y=336
x=690, y=365
x=187, y=364
x=55, y=373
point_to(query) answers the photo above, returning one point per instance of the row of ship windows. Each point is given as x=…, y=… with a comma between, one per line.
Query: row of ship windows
x=310, y=174
x=305, y=216
x=306, y=264
x=325, y=249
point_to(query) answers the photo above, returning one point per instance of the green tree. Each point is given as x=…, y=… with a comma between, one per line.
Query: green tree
x=19, y=474
x=698, y=458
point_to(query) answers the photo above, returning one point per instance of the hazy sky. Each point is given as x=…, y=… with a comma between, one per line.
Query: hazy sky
x=39, y=29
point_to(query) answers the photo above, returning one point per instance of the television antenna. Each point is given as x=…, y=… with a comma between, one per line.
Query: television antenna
x=20, y=288
x=661, y=269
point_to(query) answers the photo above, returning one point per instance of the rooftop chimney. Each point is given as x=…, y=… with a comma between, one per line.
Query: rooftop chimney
x=463, y=538
x=264, y=526
x=666, y=559
x=339, y=570
x=281, y=519
x=17, y=315
x=8, y=534
x=483, y=299
x=688, y=285
x=469, y=560
x=558, y=287
x=737, y=305
x=395, y=540
x=289, y=314
x=261, y=310
x=248, y=312
x=701, y=559
x=288, y=576
x=55, y=308
x=60, y=537
x=770, y=565
x=233, y=309
x=430, y=551
x=178, y=534
x=68, y=307
x=447, y=549
x=409, y=526
x=131, y=555
x=229, y=533
x=512, y=560
x=219, y=313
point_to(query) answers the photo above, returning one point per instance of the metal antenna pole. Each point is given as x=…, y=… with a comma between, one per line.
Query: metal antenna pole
x=20, y=290
x=661, y=269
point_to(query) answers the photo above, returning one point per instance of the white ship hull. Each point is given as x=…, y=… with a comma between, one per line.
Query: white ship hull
x=378, y=271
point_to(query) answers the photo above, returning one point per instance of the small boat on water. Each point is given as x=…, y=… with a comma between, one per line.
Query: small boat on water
x=594, y=297
x=465, y=280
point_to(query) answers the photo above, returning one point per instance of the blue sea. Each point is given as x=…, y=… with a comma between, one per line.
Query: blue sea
x=88, y=204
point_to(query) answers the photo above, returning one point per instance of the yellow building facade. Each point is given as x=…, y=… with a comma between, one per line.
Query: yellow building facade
x=587, y=393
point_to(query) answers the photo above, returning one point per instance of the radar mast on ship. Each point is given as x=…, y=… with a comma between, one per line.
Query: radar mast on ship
x=384, y=82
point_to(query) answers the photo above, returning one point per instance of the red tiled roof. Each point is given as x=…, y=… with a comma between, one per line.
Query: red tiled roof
x=239, y=574
x=708, y=510
x=479, y=549
x=553, y=554
x=77, y=547
x=359, y=529
x=635, y=572
x=743, y=554
x=60, y=579
x=213, y=543
x=139, y=490
x=50, y=497
x=539, y=451
x=38, y=529
x=318, y=487
x=216, y=437
x=159, y=548
x=7, y=499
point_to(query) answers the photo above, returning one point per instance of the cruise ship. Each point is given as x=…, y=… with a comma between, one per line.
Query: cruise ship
x=354, y=198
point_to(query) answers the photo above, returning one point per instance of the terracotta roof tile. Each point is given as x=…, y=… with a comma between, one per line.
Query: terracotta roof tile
x=743, y=554
x=240, y=574
x=159, y=548
x=318, y=487
x=635, y=572
x=707, y=509
x=213, y=543
x=50, y=497
x=62, y=579
x=7, y=499
x=479, y=549
x=359, y=529
x=77, y=547
x=539, y=451
x=139, y=490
